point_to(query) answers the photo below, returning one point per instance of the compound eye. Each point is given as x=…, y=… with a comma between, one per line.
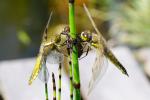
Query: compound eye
x=84, y=34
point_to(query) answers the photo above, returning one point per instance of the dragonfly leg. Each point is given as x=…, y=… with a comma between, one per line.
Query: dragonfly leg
x=61, y=52
x=86, y=53
x=63, y=44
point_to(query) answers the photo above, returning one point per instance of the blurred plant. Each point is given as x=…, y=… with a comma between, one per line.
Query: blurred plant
x=24, y=38
x=133, y=20
x=1, y=96
x=21, y=15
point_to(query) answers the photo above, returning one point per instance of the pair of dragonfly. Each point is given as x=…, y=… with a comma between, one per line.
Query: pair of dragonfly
x=54, y=46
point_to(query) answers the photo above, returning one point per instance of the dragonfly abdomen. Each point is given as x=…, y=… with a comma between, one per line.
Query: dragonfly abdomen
x=108, y=53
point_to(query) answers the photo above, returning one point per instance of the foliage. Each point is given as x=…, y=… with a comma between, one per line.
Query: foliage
x=133, y=20
x=24, y=37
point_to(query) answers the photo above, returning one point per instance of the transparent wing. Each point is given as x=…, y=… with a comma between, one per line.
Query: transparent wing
x=90, y=18
x=44, y=74
x=40, y=57
x=45, y=33
x=65, y=64
x=102, y=41
x=98, y=70
x=55, y=57
x=100, y=64
x=36, y=69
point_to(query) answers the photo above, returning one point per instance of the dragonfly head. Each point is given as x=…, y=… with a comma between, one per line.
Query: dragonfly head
x=86, y=36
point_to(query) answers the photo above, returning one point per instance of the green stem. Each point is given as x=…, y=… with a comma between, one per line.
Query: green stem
x=54, y=86
x=59, y=82
x=46, y=86
x=71, y=83
x=75, y=65
x=46, y=91
x=70, y=74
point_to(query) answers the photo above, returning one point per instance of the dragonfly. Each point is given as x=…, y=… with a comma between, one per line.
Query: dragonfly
x=97, y=43
x=55, y=49
x=51, y=51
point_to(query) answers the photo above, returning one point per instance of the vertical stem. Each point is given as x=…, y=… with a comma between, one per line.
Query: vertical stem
x=72, y=19
x=59, y=82
x=46, y=86
x=71, y=81
x=46, y=91
x=75, y=65
x=70, y=74
x=54, y=86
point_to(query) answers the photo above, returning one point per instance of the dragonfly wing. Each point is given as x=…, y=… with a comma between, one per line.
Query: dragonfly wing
x=98, y=70
x=66, y=64
x=44, y=73
x=55, y=57
x=107, y=52
x=45, y=33
x=36, y=69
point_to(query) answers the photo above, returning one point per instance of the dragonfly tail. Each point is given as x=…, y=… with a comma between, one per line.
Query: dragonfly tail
x=108, y=53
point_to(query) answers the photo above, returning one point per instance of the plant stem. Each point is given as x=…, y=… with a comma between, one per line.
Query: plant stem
x=70, y=74
x=46, y=91
x=54, y=86
x=71, y=82
x=46, y=86
x=59, y=82
x=75, y=65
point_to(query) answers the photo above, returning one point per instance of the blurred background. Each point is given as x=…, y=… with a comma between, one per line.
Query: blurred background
x=122, y=22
